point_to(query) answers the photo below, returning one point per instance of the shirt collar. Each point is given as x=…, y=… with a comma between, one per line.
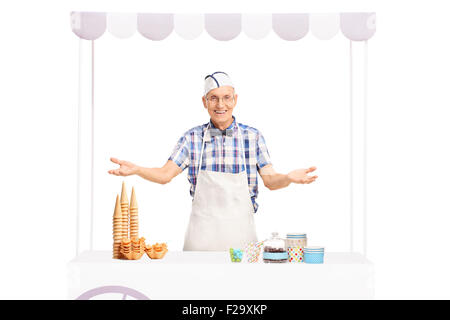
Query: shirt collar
x=231, y=126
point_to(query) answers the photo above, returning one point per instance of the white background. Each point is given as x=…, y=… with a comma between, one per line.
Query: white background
x=143, y=86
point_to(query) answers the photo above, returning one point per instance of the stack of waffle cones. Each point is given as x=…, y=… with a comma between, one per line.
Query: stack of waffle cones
x=125, y=248
x=117, y=229
x=134, y=219
x=125, y=215
x=126, y=241
x=132, y=249
x=138, y=247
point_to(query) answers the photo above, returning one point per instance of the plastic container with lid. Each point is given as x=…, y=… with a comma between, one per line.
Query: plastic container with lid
x=296, y=239
x=275, y=250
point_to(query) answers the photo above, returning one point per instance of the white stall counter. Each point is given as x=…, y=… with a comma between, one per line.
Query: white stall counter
x=211, y=275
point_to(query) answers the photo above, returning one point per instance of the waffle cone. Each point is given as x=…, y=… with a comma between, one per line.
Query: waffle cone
x=117, y=228
x=117, y=209
x=123, y=195
x=133, y=202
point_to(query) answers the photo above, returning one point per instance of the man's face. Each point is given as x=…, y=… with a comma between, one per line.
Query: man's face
x=220, y=103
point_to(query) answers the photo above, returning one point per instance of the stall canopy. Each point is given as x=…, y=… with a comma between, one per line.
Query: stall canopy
x=356, y=26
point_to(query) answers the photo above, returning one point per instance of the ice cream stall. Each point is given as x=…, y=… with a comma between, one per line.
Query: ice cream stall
x=280, y=266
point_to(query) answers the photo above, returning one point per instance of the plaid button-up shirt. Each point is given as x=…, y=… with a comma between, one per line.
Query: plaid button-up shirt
x=221, y=153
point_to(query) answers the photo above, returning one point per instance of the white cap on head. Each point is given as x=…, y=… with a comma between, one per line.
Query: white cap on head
x=216, y=80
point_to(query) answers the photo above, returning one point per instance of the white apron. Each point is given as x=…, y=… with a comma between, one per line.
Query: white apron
x=222, y=211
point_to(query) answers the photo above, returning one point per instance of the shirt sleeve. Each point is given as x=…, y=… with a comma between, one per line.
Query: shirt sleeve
x=262, y=154
x=180, y=154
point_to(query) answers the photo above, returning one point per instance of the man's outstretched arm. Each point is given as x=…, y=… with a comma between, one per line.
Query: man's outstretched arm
x=161, y=175
x=274, y=181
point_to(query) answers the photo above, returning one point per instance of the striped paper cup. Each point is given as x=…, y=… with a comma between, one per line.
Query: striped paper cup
x=313, y=255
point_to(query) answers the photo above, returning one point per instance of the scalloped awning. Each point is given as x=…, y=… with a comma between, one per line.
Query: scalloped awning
x=356, y=26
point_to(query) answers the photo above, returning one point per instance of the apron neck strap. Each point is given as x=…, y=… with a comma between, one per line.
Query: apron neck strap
x=241, y=143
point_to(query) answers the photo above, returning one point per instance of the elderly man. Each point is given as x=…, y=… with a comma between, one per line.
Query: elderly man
x=223, y=158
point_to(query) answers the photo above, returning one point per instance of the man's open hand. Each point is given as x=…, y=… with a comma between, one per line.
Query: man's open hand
x=126, y=168
x=301, y=175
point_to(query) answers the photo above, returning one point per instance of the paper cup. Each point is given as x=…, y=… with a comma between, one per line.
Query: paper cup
x=236, y=255
x=252, y=251
x=295, y=254
x=313, y=255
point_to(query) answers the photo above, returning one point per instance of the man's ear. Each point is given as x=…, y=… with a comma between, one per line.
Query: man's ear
x=204, y=102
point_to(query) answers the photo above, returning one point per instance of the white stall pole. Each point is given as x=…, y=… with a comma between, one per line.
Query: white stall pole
x=91, y=243
x=351, y=143
x=365, y=150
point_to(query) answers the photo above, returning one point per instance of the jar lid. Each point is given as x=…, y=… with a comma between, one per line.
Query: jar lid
x=275, y=235
x=296, y=235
